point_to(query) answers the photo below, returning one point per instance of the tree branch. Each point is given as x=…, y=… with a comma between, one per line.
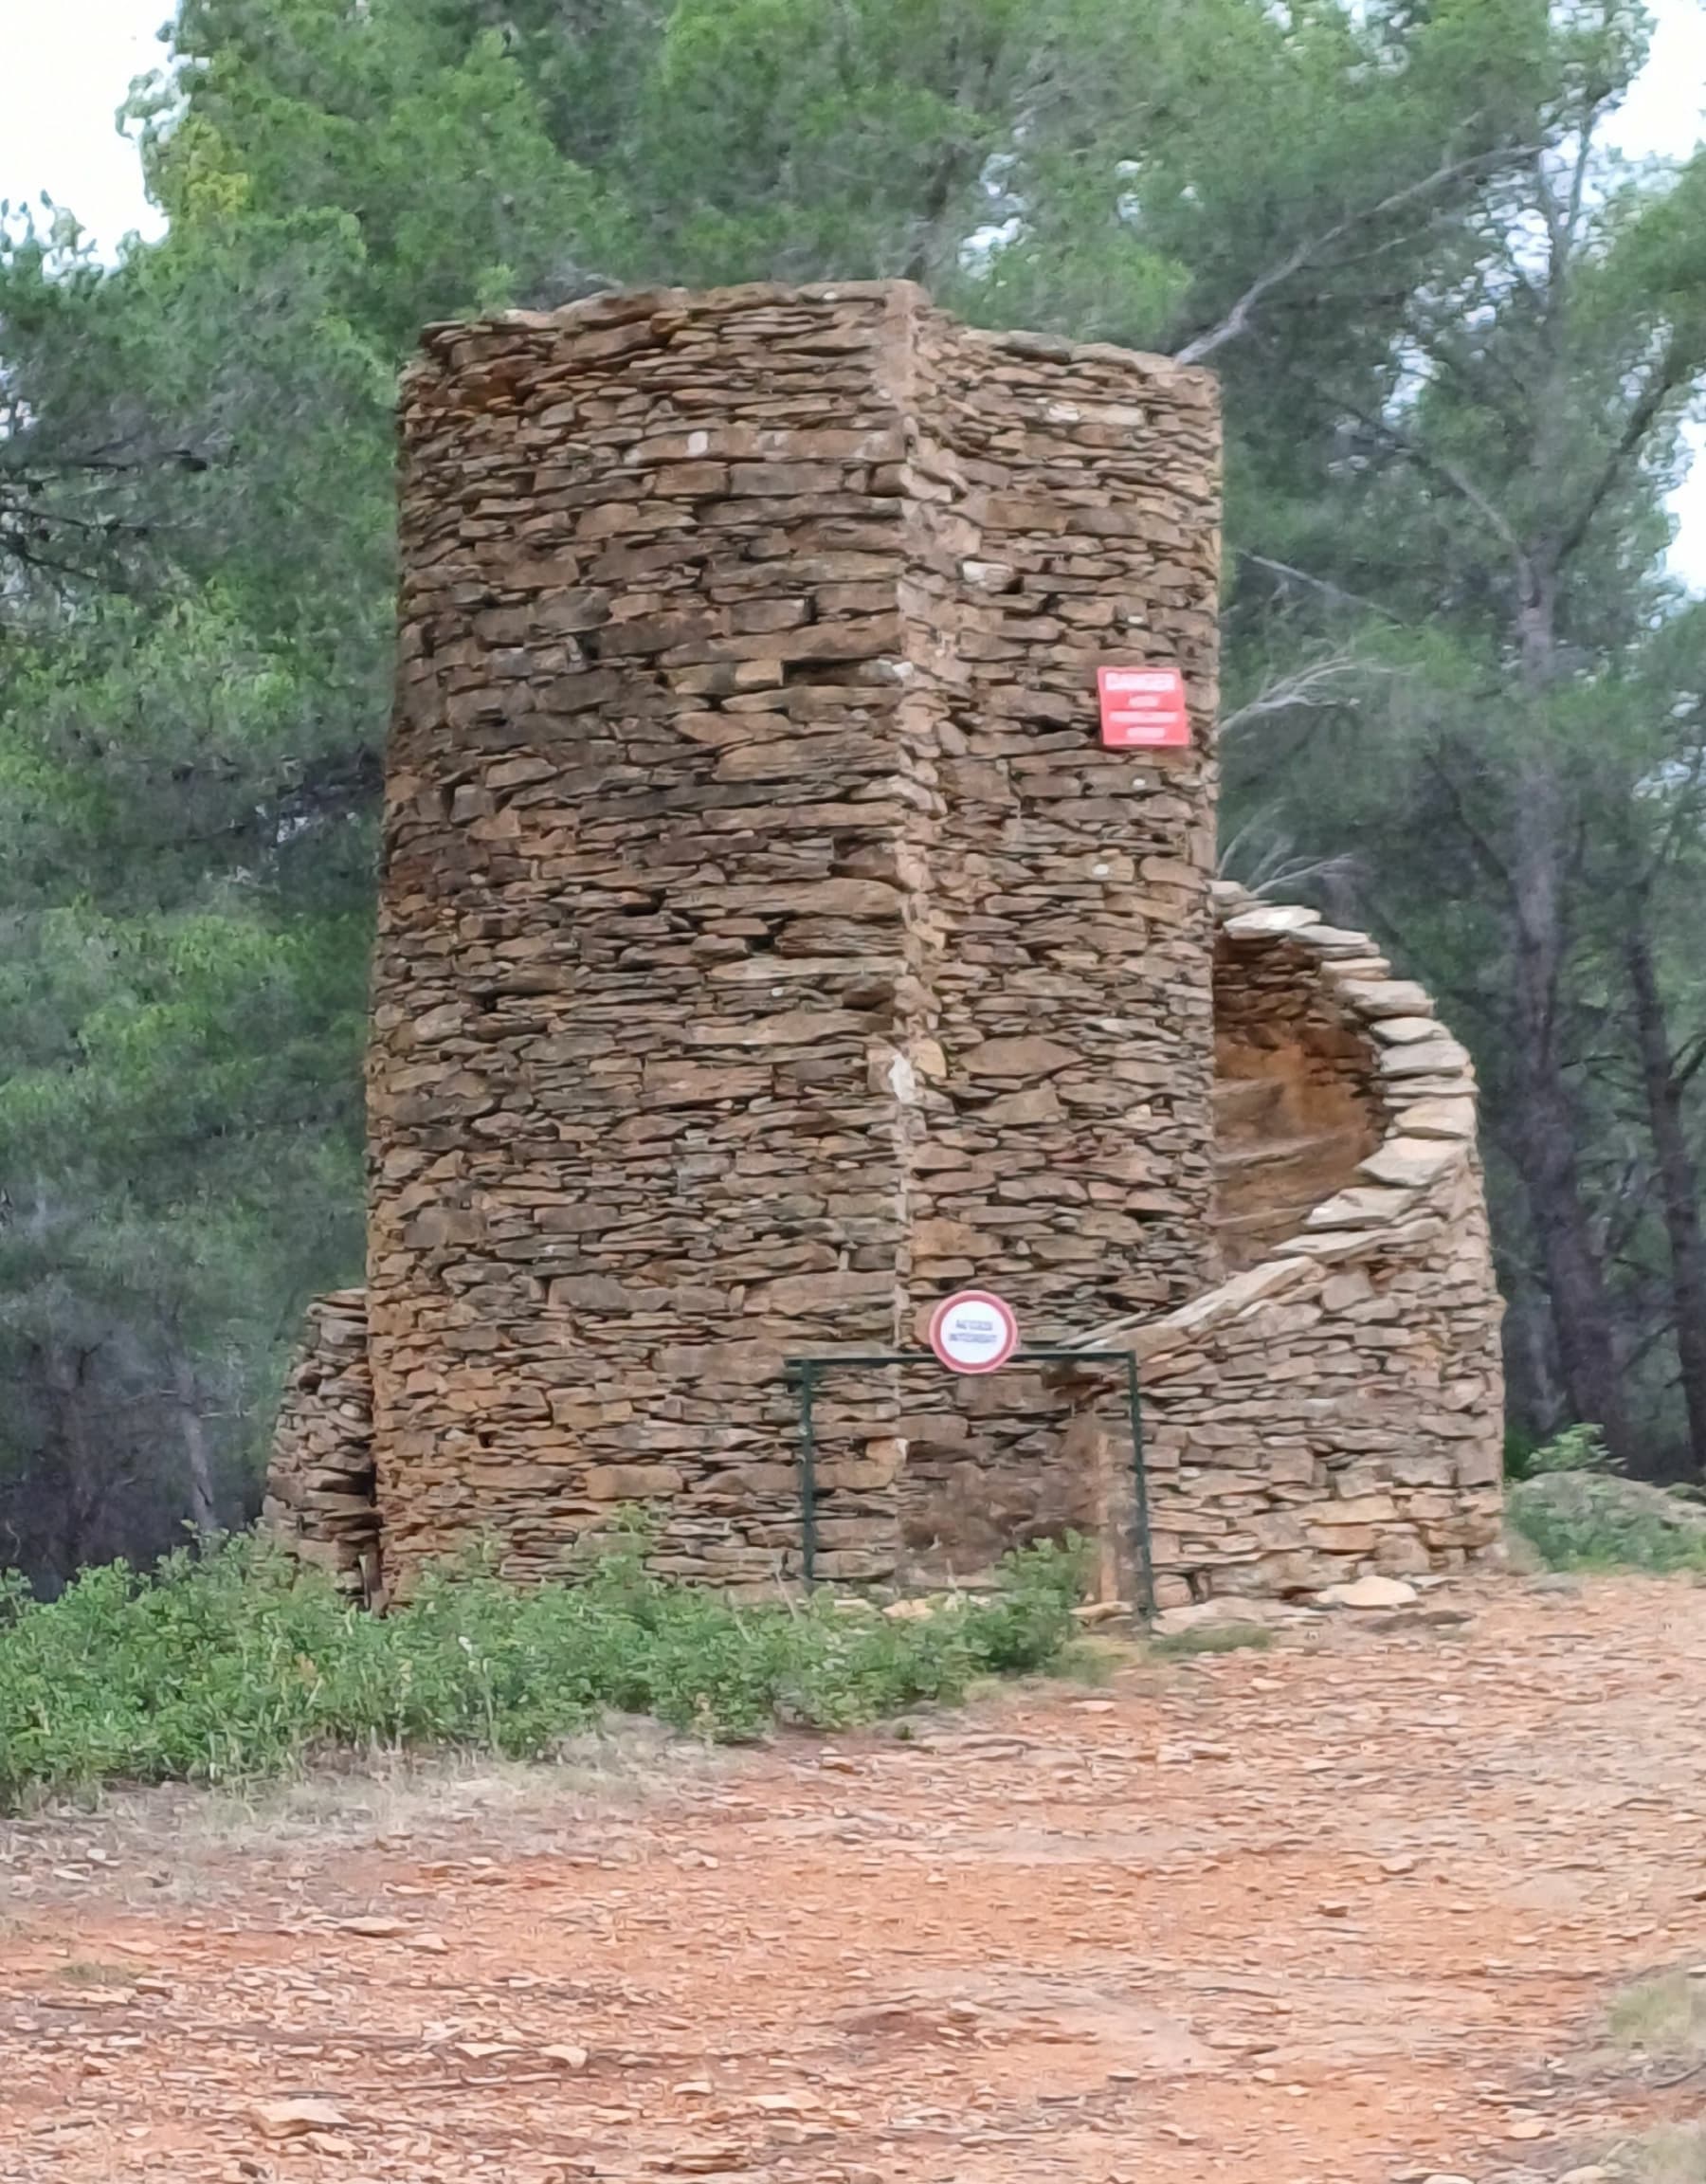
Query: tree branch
x=1314, y=683
x=1684, y=1071
x=1321, y=584
x=1631, y=1195
x=1668, y=375
x=1237, y=320
x=1639, y=1350
x=1484, y=852
x=1454, y=476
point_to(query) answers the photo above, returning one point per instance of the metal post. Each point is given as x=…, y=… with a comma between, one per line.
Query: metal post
x=807, y=1474
x=1145, y=1562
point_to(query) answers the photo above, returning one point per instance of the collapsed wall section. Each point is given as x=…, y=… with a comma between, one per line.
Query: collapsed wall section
x=1336, y=1406
x=1298, y=1102
x=320, y=1501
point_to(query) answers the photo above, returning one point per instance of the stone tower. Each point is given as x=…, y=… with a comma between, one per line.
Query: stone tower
x=767, y=943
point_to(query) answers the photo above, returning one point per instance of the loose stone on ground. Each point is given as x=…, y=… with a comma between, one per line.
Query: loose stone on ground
x=1367, y=1930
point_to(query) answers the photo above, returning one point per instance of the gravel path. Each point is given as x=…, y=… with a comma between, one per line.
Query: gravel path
x=1348, y=1909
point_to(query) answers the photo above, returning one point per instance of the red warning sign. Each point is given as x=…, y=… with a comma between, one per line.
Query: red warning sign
x=1143, y=709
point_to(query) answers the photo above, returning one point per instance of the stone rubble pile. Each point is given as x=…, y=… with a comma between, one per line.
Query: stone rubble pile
x=319, y=1484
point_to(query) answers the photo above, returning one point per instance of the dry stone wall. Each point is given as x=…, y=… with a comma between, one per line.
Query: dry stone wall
x=641, y=923
x=319, y=1484
x=1334, y=1407
x=765, y=939
x=1337, y=1407
x=766, y=945
x=1066, y=504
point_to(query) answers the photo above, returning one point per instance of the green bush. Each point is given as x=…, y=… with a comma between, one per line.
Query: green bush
x=1576, y=1449
x=236, y=1665
x=1584, y=1520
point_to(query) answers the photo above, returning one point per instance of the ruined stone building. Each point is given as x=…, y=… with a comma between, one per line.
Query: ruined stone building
x=769, y=945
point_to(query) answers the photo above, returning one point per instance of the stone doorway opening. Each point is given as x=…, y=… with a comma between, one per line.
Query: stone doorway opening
x=991, y=1466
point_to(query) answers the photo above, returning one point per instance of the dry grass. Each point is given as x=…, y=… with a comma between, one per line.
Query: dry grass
x=1664, y=2018
x=1674, y=2154
x=191, y=1848
x=1212, y=1638
x=392, y=1797
x=88, y=1972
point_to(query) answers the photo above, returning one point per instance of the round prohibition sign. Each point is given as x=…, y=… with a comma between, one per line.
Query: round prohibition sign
x=974, y=1331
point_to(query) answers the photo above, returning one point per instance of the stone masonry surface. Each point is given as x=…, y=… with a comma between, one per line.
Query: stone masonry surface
x=768, y=945
x=320, y=1485
x=1338, y=1408
x=1332, y=1409
x=766, y=940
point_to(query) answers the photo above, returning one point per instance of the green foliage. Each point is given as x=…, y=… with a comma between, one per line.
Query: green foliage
x=1507, y=779
x=1576, y=1449
x=179, y=1124
x=412, y=124
x=1589, y=1519
x=233, y=1665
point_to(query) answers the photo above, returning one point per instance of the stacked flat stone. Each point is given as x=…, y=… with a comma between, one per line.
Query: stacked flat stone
x=1333, y=1408
x=1068, y=508
x=1338, y=1408
x=766, y=940
x=768, y=945
x=320, y=1485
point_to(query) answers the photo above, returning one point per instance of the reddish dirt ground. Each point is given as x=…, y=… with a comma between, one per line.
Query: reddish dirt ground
x=1351, y=1908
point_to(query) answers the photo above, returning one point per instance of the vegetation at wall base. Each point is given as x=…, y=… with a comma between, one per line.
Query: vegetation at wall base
x=1595, y=1521
x=1576, y=1449
x=1569, y=1502
x=233, y=1665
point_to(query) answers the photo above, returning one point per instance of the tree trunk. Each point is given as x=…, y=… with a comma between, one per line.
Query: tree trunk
x=65, y=1374
x=1678, y=1178
x=1537, y=1402
x=204, y=1512
x=1574, y=1281
x=1546, y=1136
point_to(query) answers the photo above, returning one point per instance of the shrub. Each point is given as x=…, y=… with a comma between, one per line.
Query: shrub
x=1584, y=1520
x=236, y=1665
x=1576, y=1449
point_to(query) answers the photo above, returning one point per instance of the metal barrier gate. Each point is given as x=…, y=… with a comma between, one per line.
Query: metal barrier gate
x=807, y=1372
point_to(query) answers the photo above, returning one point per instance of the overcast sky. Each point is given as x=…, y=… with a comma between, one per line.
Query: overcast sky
x=70, y=63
